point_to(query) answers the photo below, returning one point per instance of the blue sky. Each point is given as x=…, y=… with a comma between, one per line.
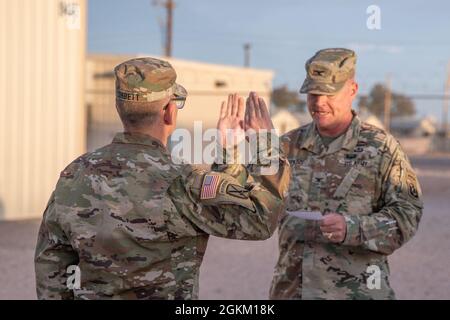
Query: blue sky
x=413, y=45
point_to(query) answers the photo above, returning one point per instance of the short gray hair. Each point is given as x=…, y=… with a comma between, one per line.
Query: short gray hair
x=139, y=114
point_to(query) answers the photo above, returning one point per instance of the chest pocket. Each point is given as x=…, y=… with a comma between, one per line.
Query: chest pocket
x=346, y=184
x=299, y=186
x=355, y=193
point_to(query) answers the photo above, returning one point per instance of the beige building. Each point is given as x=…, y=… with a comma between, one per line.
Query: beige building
x=42, y=118
x=207, y=85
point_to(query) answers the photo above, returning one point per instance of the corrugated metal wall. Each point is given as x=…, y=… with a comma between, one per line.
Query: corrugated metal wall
x=42, y=117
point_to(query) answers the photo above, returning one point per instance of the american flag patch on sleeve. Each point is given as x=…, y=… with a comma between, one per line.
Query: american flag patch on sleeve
x=209, y=186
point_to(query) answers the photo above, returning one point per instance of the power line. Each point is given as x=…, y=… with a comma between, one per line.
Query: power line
x=418, y=96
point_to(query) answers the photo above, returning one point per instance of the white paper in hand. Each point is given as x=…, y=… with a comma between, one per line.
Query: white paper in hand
x=307, y=215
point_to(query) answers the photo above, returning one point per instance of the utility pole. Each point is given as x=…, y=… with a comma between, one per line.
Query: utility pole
x=247, y=48
x=445, y=103
x=169, y=8
x=387, y=104
x=169, y=5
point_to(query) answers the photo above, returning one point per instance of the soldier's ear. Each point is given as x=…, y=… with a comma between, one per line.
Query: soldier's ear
x=170, y=114
x=353, y=88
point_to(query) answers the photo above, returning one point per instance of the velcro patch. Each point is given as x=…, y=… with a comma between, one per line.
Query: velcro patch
x=237, y=191
x=209, y=186
x=412, y=186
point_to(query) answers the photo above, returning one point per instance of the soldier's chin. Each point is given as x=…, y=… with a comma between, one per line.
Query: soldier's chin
x=322, y=120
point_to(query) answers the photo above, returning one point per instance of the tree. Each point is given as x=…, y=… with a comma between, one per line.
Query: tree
x=362, y=102
x=282, y=97
x=404, y=106
x=401, y=104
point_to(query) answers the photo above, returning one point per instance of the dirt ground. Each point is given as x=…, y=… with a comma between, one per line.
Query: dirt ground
x=243, y=270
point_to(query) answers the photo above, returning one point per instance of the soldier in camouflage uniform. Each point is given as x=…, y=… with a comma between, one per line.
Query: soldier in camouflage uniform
x=361, y=181
x=135, y=223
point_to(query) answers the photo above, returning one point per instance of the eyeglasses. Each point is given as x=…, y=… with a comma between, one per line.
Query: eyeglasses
x=179, y=102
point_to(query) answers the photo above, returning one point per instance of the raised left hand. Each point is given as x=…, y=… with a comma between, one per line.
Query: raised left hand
x=231, y=121
x=333, y=227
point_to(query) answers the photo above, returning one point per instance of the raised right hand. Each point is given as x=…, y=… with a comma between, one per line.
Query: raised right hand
x=256, y=114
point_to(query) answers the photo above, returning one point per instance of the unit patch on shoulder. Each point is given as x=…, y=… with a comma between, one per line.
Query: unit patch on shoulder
x=237, y=191
x=412, y=186
x=209, y=186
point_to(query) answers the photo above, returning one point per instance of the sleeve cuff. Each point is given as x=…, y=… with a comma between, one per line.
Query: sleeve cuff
x=353, y=235
x=264, y=148
x=227, y=155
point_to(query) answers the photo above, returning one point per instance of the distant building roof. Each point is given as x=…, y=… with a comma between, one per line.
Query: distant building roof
x=413, y=125
x=368, y=117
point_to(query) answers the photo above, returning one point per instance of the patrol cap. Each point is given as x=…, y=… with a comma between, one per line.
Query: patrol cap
x=146, y=80
x=328, y=70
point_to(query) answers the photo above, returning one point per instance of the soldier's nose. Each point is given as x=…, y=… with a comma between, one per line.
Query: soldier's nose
x=320, y=100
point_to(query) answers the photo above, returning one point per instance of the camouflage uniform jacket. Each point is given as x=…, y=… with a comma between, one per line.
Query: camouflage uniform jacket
x=134, y=224
x=363, y=175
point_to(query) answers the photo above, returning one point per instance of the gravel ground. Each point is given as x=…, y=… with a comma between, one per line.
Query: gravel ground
x=243, y=270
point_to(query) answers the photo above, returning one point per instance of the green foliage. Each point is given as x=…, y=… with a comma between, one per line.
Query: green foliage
x=401, y=105
x=282, y=97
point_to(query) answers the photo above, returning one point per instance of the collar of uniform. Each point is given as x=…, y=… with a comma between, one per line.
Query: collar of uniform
x=138, y=138
x=351, y=136
x=313, y=143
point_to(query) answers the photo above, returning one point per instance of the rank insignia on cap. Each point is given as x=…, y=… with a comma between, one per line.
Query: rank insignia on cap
x=209, y=186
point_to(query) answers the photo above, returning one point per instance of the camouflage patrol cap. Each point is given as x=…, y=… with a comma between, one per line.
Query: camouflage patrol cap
x=146, y=80
x=328, y=70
